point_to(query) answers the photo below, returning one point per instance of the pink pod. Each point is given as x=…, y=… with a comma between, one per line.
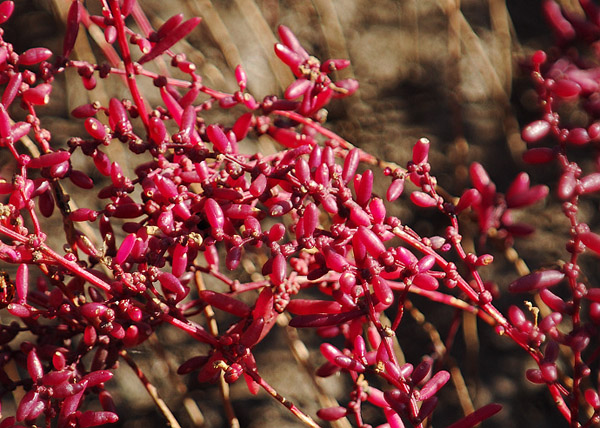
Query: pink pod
x=95, y=128
x=169, y=25
x=157, y=130
x=214, y=214
x=225, y=303
x=170, y=38
x=590, y=240
x=288, y=38
x=22, y=282
x=170, y=283
x=6, y=10
x=536, y=280
x=50, y=159
x=288, y=57
x=242, y=125
x=422, y=199
x=165, y=222
x=433, y=385
x=590, y=183
x=478, y=416
x=535, y=131
x=173, y=107
x=278, y=271
x=12, y=89
x=125, y=249
x=420, y=152
x=91, y=418
x=382, y=290
x=34, y=365
x=218, y=138
x=241, y=77
x=377, y=209
x=98, y=377
x=308, y=306
x=233, y=257
x=365, y=189
x=298, y=88
x=345, y=88
x=34, y=56
x=39, y=95
x=81, y=179
x=350, y=165
x=348, y=363
x=180, y=260
x=332, y=413
x=371, y=241
x=73, y=20
x=395, y=189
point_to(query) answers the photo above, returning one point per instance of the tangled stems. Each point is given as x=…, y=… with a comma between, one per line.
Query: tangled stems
x=309, y=227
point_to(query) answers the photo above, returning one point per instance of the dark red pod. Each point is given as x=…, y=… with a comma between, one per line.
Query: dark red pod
x=477, y=416
x=92, y=419
x=6, y=10
x=321, y=320
x=348, y=363
x=332, y=413
x=309, y=306
x=98, y=377
x=371, y=241
x=252, y=334
x=39, y=95
x=395, y=189
x=49, y=159
x=433, y=385
x=34, y=56
x=172, y=284
x=536, y=280
x=12, y=89
x=242, y=125
x=170, y=38
x=73, y=20
x=225, y=303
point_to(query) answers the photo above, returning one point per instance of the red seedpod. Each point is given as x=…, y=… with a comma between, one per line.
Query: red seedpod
x=95, y=128
x=170, y=283
x=92, y=418
x=6, y=10
x=395, y=189
x=332, y=413
x=169, y=25
x=12, y=89
x=39, y=95
x=478, y=416
x=433, y=385
x=34, y=56
x=536, y=280
x=170, y=38
x=535, y=131
x=422, y=199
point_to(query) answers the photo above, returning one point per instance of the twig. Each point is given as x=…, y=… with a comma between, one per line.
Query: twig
x=152, y=391
x=284, y=401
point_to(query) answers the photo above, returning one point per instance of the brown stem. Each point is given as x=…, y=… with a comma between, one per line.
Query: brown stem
x=152, y=391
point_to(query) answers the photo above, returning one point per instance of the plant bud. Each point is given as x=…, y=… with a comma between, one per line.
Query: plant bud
x=536, y=280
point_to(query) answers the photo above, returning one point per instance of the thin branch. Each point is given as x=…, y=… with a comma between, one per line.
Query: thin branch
x=152, y=391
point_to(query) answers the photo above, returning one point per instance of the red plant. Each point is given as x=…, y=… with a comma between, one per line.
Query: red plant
x=331, y=255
